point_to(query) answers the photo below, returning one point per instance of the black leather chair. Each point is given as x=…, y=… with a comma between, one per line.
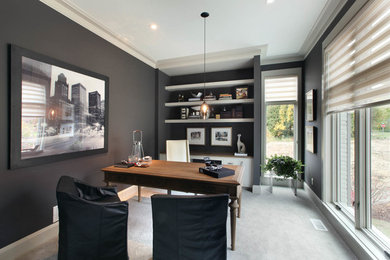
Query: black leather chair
x=93, y=222
x=189, y=227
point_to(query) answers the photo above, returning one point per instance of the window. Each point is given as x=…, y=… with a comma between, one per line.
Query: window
x=281, y=92
x=380, y=169
x=357, y=116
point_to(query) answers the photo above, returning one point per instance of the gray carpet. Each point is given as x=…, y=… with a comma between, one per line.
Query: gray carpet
x=272, y=226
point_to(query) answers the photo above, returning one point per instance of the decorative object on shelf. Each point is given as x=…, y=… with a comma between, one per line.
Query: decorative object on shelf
x=195, y=97
x=310, y=105
x=237, y=112
x=310, y=138
x=241, y=150
x=210, y=97
x=59, y=111
x=225, y=96
x=196, y=136
x=204, y=108
x=284, y=166
x=221, y=136
x=225, y=113
x=217, y=116
x=180, y=98
x=184, y=112
x=241, y=93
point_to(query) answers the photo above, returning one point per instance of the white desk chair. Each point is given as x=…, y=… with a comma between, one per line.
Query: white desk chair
x=177, y=151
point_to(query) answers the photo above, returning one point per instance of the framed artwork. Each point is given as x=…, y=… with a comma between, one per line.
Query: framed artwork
x=221, y=136
x=196, y=136
x=310, y=105
x=241, y=93
x=58, y=111
x=310, y=138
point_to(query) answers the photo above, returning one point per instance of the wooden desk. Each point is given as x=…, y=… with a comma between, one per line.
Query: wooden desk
x=181, y=176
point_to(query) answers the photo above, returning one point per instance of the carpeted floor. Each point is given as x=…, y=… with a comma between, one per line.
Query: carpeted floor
x=272, y=226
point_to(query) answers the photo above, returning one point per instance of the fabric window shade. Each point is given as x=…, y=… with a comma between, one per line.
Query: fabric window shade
x=281, y=89
x=357, y=61
x=33, y=100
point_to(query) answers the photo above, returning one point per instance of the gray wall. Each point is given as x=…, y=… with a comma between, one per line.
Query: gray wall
x=27, y=195
x=312, y=80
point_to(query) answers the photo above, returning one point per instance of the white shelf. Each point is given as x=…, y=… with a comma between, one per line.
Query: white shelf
x=218, y=84
x=211, y=120
x=210, y=102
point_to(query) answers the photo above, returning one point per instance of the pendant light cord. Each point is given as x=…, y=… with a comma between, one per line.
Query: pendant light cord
x=204, y=58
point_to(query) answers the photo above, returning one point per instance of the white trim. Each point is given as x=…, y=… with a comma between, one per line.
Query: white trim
x=280, y=59
x=74, y=13
x=322, y=23
x=362, y=247
x=30, y=242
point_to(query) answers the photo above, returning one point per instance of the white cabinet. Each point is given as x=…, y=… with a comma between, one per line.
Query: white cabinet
x=246, y=162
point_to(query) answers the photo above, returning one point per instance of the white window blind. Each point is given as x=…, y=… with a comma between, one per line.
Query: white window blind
x=357, y=61
x=281, y=88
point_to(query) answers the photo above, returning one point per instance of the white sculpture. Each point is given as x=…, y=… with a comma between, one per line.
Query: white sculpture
x=240, y=145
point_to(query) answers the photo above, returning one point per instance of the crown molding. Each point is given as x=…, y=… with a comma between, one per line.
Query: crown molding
x=328, y=14
x=77, y=15
x=281, y=59
x=215, y=61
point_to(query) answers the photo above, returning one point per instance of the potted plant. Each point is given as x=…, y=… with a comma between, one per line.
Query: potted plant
x=284, y=166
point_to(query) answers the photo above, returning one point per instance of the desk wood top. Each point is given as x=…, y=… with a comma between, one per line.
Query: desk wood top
x=179, y=170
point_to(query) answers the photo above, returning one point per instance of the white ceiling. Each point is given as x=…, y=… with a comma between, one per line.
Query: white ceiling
x=236, y=30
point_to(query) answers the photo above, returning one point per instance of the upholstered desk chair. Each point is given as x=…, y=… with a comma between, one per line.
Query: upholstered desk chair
x=177, y=151
x=189, y=227
x=93, y=222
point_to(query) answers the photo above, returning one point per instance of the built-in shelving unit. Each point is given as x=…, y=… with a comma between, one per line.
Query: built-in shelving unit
x=210, y=85
x=210, y=102
x=210, y=120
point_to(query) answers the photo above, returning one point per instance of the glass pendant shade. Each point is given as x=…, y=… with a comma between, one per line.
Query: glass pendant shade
x=204, y=110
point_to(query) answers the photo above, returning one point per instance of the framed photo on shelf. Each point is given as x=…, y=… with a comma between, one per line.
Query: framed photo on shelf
x=196, y=136
x=310, y=105
x=241, y=93
x=221, y=136
x=59, y=111
x=310, y=137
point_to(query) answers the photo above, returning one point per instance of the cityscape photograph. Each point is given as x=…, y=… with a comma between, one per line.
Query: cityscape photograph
x=62, y=110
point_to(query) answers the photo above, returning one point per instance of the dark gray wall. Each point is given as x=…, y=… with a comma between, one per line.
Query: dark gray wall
x=27, y=195
x=312, y=80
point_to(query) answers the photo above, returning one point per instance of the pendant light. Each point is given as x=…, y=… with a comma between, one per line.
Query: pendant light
x=204, y=108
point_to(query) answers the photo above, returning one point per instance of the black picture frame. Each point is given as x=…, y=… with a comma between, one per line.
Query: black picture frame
x=61, y=128
x=310, y=101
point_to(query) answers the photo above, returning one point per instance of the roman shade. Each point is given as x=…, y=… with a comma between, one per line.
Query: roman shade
x=281, y=88
x=357, y=61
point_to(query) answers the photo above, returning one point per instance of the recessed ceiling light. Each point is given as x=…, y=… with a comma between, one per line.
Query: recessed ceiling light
x=153, y=26
x=270, y=1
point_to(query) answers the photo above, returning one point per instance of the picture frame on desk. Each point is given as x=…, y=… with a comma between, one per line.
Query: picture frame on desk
x=59, y=111
x=196, y=136
x=221, y=136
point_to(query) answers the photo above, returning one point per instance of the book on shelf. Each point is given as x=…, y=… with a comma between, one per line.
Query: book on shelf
x=209, y=99
x=240, y=154
x=194, y=99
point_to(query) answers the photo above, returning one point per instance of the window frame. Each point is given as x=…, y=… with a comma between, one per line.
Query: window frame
x=298, y=110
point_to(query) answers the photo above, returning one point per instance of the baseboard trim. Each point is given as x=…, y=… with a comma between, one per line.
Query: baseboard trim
x=34, y=240
x=354, y=238
x=28, y=243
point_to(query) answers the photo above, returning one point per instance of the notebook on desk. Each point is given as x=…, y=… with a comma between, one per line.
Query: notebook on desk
x=223, y=172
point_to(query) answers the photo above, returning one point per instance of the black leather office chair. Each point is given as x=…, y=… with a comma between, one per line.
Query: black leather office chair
x=189, y=227
x=93, y=222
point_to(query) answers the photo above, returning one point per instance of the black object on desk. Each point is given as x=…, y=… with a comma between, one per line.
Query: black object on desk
x=220, y=173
